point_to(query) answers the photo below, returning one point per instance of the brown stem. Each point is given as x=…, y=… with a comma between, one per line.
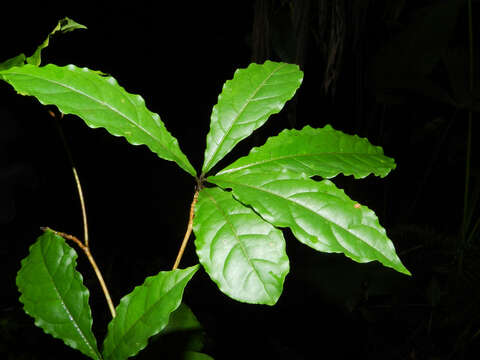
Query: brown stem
x=87, y=252
x=75, y=175
x=188, y=232
x=85, y=245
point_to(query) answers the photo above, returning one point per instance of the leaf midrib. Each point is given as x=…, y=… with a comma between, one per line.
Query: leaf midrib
x=104, y=104
x=283, y=157
x=64, y=306
x=241, y=244
x=302, y=206
x=134, y=324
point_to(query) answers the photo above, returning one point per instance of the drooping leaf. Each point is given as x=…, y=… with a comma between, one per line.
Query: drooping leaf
x=243, y=254
x=319, y=214
x=65, y=25
x=246, y=103
x=100, y=102
x=145, y=312
x=324, y=152
x=53, y=293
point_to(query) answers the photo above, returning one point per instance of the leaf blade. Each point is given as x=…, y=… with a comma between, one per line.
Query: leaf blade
x=319, y=214
x=100, y=102
x=245, y=104
x=53, y=293
x=244, y=255
x=145, y=312
x=64, y=25
x=324, y=152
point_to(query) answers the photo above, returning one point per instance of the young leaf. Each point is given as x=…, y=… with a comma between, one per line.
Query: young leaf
x=63, y=26
x=145, y=312
x=245, y=104
x=319, y=214
x=100, y=102
x=53, y=293
x=324, y=152
x=243, y=254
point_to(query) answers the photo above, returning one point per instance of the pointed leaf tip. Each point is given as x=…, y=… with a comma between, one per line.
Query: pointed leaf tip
x=319, y=214
x=145, y=312
x=324, y=152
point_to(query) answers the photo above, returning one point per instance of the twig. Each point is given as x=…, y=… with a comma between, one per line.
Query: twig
x=75, y=175
x=188, y=232
x=85, y=245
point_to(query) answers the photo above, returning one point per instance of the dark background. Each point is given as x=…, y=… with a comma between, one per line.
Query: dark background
x=395, y=72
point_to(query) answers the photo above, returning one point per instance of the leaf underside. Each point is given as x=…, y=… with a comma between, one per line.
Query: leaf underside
x=243, y=254
x=53, y=293
x=100, y=102
x=145, y=312
x=245, y=103
x=319, y=214
x=324, y=152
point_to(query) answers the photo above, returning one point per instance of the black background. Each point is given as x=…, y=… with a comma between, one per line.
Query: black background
x=177, y=56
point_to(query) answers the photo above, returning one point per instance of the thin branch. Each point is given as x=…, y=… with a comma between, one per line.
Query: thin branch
x=188, y=232
x=85, y=245
x=75, y=175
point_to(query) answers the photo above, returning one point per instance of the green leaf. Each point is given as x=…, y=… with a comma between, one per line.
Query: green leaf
x=193, y=355
x=182, y=319
x=53, y=293
x=145, y=312
x=243, y=254
x=245, y=104
x=18, y=60
x=323, y=152
x=100, y=102
x=65, y=25
x=183, y=330
x=319, y=214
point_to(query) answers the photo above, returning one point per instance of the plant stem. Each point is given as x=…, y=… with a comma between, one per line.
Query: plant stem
x=87, y=252
x=188, y=232
x=75, y=175
x=85, y=246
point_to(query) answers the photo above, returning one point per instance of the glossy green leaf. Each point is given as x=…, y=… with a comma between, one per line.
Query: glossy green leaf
x=243, y=254
x=319, y=214
x=65, y=25
x=145, y=312
x=100, y=102
x=324, y=152
x=246, y=103
x=53, y=293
